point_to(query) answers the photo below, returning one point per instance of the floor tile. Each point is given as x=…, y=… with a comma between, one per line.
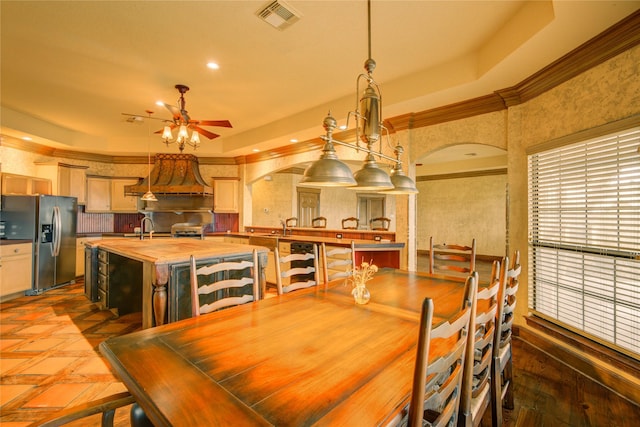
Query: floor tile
x=57, y=396
x=7, y=365
x=10, y=392
x=49, y=366
x=40, y=344
x=7, y=344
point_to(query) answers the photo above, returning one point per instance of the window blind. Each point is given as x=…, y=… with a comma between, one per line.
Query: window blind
x=584, y=228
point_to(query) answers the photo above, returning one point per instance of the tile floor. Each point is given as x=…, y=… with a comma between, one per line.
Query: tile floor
x=49, y=356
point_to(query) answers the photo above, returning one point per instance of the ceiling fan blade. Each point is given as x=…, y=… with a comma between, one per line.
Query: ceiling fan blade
x=175, y=111
x=219, y=123
x=204, y=132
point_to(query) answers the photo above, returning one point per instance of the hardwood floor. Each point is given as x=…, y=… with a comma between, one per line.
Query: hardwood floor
x=49, y=360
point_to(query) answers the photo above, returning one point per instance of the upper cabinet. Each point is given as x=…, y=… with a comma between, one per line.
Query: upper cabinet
x=22, y=184
x=225, y=196
x=106, y=194
x=66, y=180
x=120, y=202
x=98, y=194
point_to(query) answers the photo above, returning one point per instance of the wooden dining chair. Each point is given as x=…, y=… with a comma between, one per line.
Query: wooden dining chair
x=436, y=387
x=379, y=224
x=452, y=257
x=337, y=261
x=224, y=284
x=476, y=386
x=291, y=222
x=297, y=270
x=502, y=366
x=105, y=406
x=319, y=222
x=351, y=223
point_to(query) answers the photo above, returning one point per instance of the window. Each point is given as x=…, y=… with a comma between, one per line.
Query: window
x=584, y=228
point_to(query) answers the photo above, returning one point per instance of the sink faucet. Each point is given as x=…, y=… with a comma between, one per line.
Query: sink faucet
x=284, y=227
x=146, y=218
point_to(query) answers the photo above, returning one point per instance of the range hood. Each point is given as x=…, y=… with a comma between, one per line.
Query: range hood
x=175, y=175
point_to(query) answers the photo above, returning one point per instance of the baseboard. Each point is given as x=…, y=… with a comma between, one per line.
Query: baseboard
x=615, y=371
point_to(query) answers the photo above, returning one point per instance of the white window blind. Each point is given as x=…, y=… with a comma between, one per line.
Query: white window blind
x=584, y=228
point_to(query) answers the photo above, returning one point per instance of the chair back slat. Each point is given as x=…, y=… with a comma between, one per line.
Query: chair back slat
x=476, y=395
x=452, y=257
x=337, y=261
x=435, y=394
x=221, y=285
x=290, y=276
x=501, y=366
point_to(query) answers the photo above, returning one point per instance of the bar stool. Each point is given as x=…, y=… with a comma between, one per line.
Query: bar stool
x=319, y=222
x=380, y=223
x=291, y=222
x=350, y=223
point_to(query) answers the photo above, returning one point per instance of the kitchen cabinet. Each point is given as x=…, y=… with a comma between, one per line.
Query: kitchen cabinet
x=80, y=246
x=16, y=268
x=236, y=239
x=106, y=194
x=120, y=202
x=66, y=180
x=119, y=283
x=98, y=194
x=225, y=196
x=24, y=185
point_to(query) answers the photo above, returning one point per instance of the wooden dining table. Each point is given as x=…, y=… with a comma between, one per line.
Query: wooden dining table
x=310, y=357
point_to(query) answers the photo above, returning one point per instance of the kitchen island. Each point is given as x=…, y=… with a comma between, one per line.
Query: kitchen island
x=153, y=275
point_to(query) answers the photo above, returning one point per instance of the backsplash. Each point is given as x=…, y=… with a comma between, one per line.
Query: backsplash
x=106, y=222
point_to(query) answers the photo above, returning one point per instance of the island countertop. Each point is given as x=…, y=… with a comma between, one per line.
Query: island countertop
x=161, y=251
x=154, y=273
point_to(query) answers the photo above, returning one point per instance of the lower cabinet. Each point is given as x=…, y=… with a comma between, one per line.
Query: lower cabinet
x=118, y=282
x=16, y=268
x=80, y=253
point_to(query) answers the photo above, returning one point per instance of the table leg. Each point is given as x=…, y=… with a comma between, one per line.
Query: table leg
x=160, y=294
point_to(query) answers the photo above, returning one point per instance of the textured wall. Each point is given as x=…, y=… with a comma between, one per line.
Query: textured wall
x=461, y=209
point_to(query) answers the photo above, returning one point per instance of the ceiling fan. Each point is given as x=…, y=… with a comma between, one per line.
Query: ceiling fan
x=181, y=117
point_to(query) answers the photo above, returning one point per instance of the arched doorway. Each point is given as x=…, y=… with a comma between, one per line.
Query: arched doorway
x=463, y=195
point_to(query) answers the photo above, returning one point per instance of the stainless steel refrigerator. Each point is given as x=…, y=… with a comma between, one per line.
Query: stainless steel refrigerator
x=50, y=223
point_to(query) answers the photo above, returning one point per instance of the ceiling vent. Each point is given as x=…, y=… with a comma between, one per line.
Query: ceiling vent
x=279, y=14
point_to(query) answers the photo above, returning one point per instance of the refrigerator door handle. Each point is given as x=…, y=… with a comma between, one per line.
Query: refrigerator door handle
x=57, y=230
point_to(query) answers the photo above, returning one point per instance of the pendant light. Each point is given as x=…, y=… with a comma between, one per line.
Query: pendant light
x=402, y=184
x=149, y=196
x=328, y=171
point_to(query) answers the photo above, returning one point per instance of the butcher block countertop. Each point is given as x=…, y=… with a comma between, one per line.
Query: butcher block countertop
x=169, y=251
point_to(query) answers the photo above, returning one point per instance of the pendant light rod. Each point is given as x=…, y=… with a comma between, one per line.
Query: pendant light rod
x=369, y=24
x=366, y=150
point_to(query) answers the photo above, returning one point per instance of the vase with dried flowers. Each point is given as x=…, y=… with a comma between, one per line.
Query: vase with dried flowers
x=358, y=279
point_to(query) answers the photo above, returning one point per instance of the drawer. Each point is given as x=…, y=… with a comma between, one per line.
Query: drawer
x=14, y=250
x=103, y=256
x=103, y=268
x=103, y=282
x=102, y=299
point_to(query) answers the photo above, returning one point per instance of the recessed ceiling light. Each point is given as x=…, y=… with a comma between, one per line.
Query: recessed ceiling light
x=293, y=140
x=27, y=138
x=213, y=65
x=160, y=103
x=343, y=127
x=256, y=150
